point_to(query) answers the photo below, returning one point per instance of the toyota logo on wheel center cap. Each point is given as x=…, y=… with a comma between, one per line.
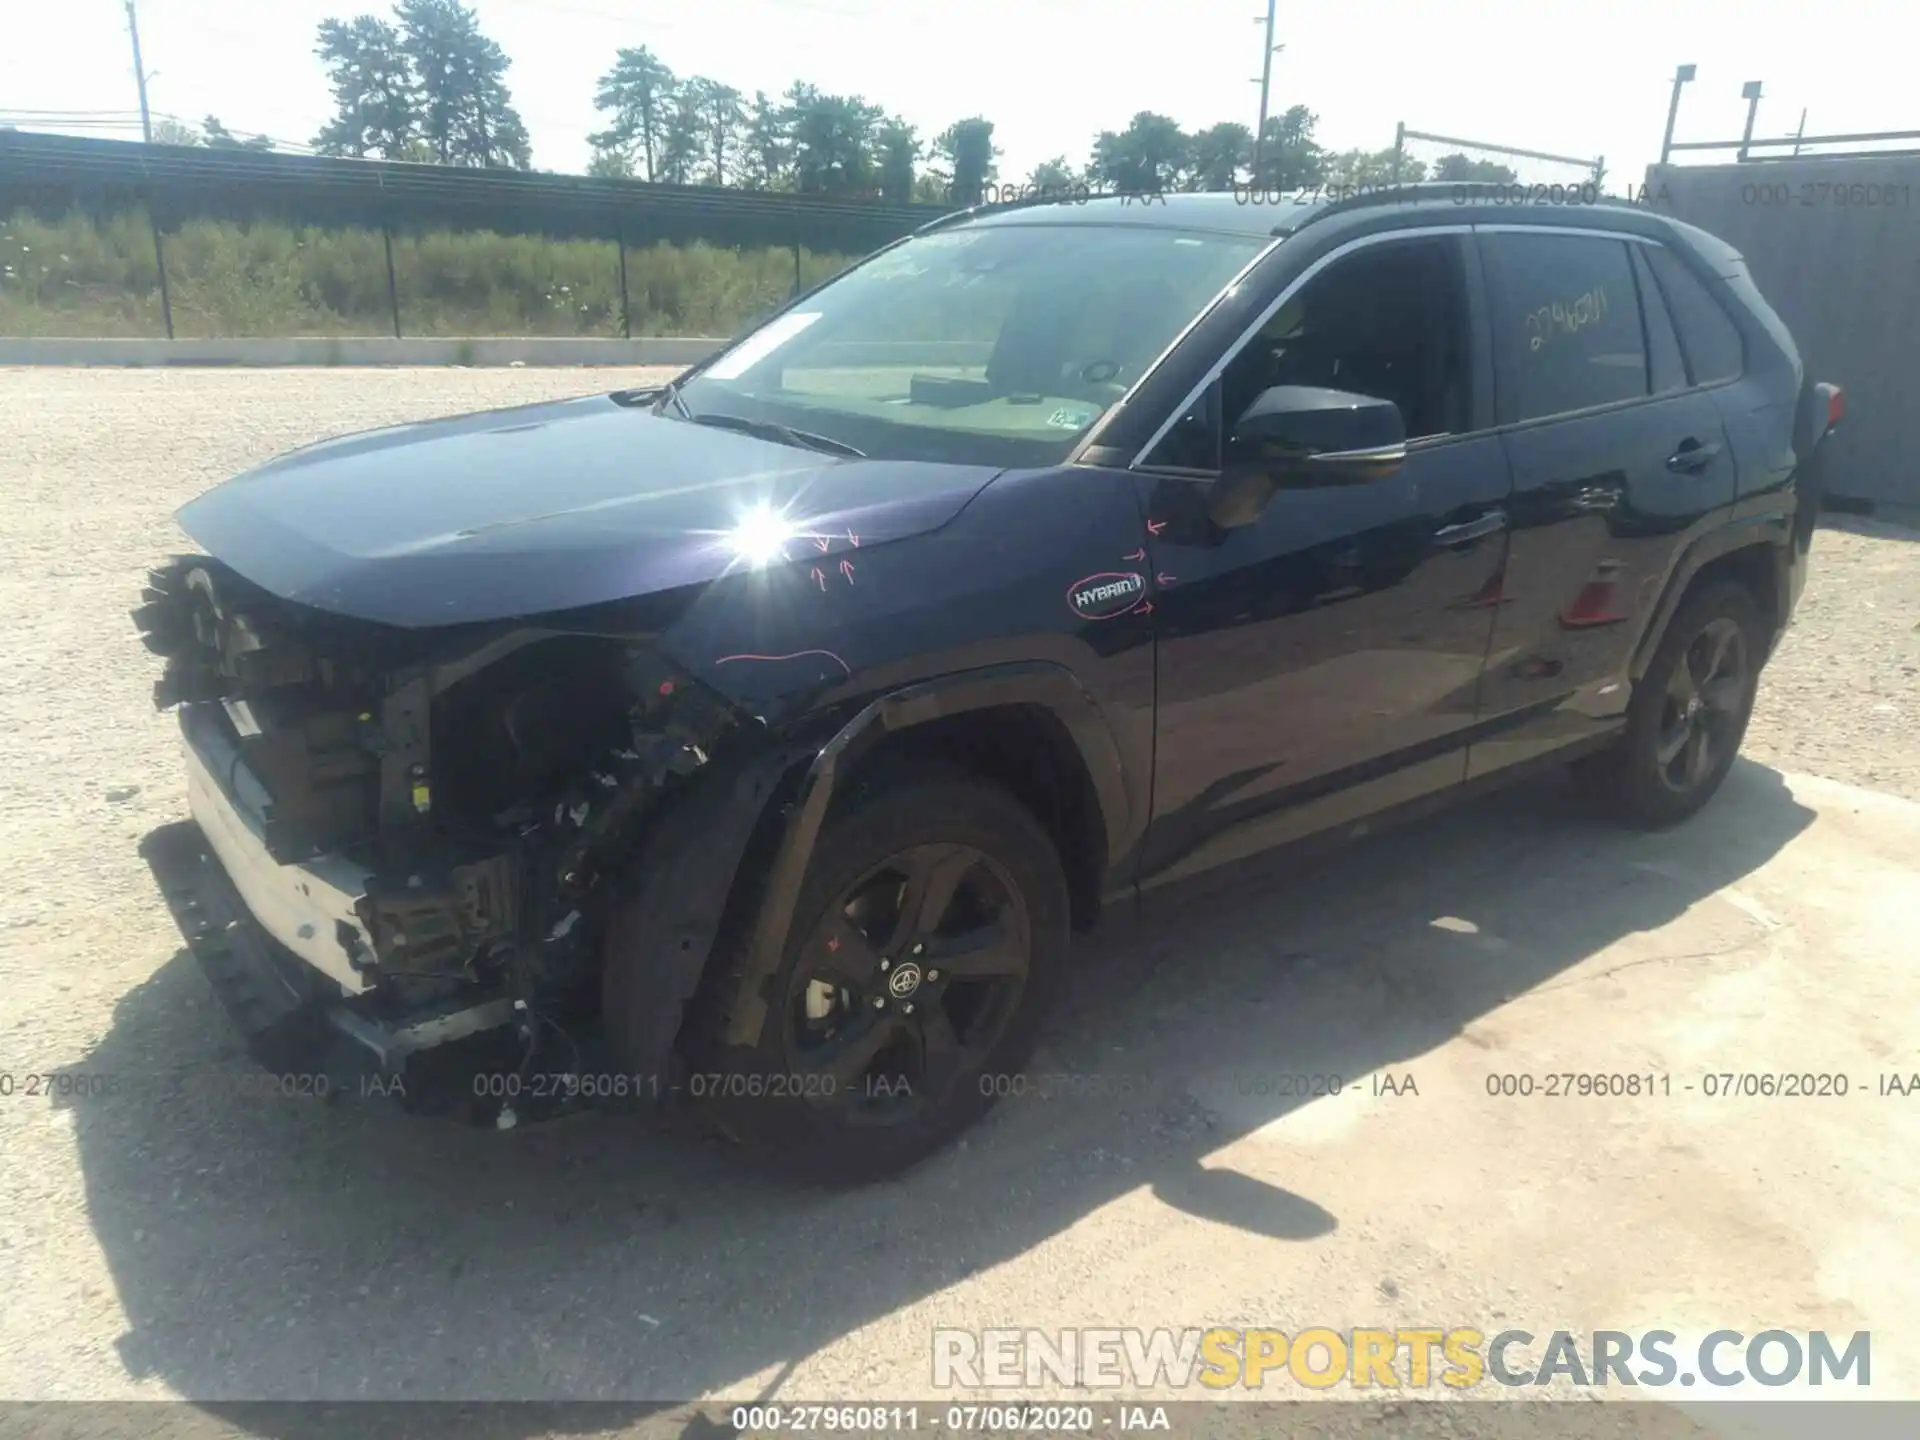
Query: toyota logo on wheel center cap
x=904, y=980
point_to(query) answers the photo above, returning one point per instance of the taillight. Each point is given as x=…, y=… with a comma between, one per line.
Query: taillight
x=1836, y=406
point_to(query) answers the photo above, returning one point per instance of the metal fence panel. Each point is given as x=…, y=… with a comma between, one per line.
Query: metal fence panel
x=329, y=246
x=1834, y=245
x=59, y=171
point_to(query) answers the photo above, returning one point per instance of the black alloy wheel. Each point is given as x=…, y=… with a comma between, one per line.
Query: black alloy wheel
x=930, y=938
x=908, y=982
x=1704, y=710
x=1688, y=713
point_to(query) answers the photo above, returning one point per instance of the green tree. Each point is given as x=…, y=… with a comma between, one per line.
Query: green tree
x=1290, y=159
x=465, y=111
x=832, y=139
x=765, y=152
x=1146, y=158
x=1356, y=169
x=221, y=138
x=172, y=132
x=608, y=164
x=1055, y=175
x=375, y=97
x=638, y=94
x=969, y=157
x=1218, y=156
x=683, y=139
x=721, y=117
x=897, y=150
x=1458, y=167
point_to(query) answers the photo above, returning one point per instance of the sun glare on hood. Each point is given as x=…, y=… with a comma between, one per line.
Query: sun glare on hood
x=761, y=536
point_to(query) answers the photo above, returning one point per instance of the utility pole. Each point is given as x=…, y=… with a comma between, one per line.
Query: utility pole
x=1749, y=92
x=139, y=74
x=1266, y=81
x=153, y=199
x=1681, y=77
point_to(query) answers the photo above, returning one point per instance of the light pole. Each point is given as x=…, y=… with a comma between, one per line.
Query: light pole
x=1266, y=82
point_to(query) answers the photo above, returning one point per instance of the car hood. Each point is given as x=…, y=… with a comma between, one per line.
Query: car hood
x=542, y=508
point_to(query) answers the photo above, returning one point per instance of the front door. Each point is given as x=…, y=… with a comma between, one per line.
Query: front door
x=1323, y=662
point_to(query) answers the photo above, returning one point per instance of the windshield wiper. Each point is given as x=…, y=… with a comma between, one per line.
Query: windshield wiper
x=771, y=430
x=670, y=392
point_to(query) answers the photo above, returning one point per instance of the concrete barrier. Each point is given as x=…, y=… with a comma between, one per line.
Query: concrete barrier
x=360, y=350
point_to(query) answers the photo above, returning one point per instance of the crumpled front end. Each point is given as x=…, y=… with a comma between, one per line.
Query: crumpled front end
x=402, y=840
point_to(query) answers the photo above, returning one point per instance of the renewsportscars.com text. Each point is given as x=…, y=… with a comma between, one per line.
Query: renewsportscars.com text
x=1417, y=1358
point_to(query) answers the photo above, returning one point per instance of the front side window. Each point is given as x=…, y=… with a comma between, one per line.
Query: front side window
x=1566, y=324
x=991, y=344
x=1388, y=321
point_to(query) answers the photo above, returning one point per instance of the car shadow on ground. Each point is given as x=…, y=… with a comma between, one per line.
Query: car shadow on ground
x=283, y=1249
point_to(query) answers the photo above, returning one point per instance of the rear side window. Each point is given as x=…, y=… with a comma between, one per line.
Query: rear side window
x=1567, y=332
x=1708, y=336
x=1666, y=367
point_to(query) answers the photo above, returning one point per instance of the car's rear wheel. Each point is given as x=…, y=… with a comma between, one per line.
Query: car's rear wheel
x=1689, y=712
x=930, y=937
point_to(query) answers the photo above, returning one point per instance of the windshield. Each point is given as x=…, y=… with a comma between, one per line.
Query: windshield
x=995, y=345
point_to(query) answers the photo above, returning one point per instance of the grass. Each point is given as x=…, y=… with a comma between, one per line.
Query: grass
x=96, y=277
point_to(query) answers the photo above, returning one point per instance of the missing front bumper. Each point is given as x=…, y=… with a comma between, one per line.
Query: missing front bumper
x=295, y=1022
x=308, y=909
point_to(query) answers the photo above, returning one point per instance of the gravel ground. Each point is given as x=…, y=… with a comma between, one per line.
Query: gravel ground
x=1842, y=697
x=232, y=1247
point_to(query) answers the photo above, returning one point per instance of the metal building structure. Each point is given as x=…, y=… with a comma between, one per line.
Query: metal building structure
x=1834, y=244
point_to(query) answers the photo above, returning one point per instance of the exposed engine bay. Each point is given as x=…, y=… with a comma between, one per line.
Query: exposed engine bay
x=480, y=784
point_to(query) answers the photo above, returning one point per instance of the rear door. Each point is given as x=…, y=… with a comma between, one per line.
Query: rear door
x=1615, y=458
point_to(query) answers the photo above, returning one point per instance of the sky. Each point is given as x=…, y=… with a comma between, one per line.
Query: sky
x=1577, y=79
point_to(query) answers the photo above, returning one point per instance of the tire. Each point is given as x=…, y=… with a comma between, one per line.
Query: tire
x=873, y=1055
x=1688, y=714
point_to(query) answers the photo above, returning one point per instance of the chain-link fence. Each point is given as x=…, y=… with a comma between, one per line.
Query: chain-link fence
x=1421, y=155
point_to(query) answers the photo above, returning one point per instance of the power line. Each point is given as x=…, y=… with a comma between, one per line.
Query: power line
x=129, y=120
x=77, y=114
x=647, y=22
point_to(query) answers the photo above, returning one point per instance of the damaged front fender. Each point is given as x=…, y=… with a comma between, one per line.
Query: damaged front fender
x=1031, y=682
x=690, y=878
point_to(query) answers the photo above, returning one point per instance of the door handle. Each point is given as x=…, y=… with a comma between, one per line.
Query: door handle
x=1491, y=523
x=1691, y=459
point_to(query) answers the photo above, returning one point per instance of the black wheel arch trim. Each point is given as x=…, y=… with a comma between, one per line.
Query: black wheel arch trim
x=1766, y=522
x=686, y=870
x=1044, y=683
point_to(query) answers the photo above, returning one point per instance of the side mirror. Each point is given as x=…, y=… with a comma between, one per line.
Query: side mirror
x=1301, y=437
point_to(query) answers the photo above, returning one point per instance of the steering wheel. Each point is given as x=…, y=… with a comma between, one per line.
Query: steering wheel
x=1100, y=380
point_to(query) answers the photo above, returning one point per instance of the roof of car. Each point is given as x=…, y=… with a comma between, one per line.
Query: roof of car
x=1240, y=212
x=1246, y=211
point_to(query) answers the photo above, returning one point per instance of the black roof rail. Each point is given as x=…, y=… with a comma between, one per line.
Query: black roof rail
x=1460, y=192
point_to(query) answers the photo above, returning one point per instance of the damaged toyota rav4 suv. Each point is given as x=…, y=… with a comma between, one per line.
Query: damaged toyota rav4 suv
x=763, y=737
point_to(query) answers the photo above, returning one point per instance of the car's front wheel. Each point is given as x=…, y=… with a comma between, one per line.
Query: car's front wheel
x=930, y=937
x=1689, y=712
